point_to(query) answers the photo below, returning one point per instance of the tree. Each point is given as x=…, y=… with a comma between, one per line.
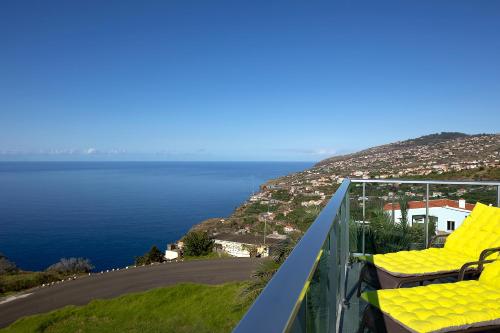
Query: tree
x=154, y=255
x=6, y=266
x=71, y=266
x=197, y=243
x=403, y=206
x=266, y=270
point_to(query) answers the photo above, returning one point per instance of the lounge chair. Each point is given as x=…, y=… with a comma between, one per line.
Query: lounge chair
x=464, y=306
x=477, y=238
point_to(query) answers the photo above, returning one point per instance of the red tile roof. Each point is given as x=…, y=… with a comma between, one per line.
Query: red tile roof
x=432, y=203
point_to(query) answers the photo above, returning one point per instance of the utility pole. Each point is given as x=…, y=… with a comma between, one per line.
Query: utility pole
x=265, y=223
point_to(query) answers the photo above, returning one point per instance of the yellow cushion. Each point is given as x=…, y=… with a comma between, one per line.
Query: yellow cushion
x=479, y=231
x=428, y=261
x=443, y=307
x=491, y=275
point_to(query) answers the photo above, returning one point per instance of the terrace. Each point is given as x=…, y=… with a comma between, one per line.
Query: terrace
x=315, y=290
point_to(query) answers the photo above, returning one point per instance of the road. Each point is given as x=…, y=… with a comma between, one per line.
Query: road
x=100, y=286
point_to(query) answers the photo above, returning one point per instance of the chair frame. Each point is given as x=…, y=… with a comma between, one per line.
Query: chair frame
x=377, y=321
x=380, y=279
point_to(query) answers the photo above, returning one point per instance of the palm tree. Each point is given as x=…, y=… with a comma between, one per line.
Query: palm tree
x=266, y=270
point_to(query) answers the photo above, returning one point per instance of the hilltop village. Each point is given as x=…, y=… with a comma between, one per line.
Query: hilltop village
x=285, y=207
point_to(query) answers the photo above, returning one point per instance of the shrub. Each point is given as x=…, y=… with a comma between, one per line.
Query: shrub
x=7, y=266
x=71, y=266
x=25, y=280
x=197, y=243
x=154, y=255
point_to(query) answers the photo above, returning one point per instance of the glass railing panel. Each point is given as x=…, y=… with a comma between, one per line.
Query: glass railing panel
x=393, y=215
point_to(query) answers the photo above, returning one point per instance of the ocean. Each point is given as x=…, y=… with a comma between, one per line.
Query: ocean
x=111, y=212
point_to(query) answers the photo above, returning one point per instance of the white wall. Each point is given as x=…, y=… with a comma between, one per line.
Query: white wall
x=233, y=248
x=237, y=249
x=443, y=215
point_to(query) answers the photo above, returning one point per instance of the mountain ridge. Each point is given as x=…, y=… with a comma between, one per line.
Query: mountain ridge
x=449, y=150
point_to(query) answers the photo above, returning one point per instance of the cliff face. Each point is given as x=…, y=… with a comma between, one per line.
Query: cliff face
x=289, y=204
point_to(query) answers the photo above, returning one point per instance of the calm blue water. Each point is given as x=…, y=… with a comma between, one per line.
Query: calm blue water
x=112, y=211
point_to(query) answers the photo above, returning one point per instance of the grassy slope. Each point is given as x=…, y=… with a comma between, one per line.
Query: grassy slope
x=181, y=308
x=22, y=280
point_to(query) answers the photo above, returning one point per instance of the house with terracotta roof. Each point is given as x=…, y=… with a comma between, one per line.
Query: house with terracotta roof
x=448, y=214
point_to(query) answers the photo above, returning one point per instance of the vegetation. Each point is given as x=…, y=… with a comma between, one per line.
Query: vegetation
x=257, y=208
x=154, y=255
x=266, y=270
x=197, y=243
x=383, y=235
x=14, y=282
x=302, y=217
x=403, y=206
x=71, y=266
x=13, y=279
x=182, y=308
x=7, y=266
x=281, y=195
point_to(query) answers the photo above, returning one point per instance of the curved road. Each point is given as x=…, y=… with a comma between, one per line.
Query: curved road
x=116, y=283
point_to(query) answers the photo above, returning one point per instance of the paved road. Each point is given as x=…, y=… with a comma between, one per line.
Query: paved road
x=112, y=284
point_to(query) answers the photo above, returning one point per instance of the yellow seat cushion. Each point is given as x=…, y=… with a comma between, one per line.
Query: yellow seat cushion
x=479, y=231
x=443, y=307
x=491, y=275
x=424, y=262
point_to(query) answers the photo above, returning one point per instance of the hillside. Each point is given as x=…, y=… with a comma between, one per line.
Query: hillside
x=288, y=205
x=431, y=153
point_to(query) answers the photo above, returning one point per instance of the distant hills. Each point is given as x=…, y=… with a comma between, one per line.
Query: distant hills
x=434, y=153
x=292, y=202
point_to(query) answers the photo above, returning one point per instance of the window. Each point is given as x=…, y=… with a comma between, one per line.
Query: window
x=450, y=225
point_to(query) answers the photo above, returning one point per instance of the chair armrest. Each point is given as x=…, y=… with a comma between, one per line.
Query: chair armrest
x=467, y=265
x=436, y=237
x=487, y=252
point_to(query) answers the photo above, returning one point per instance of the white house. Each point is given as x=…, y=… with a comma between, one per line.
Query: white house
x=311, y=203
x=241, y=245
x=449, y=214
x=288, y=229
x=171, y=255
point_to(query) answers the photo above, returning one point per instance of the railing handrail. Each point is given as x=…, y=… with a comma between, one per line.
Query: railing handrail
x=435, y=182
x=278, y=304
x=425, y=182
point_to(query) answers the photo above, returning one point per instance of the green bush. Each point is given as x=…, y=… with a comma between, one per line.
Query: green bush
x=6, y=266
x=197, y=243
x=282, y=195
x=154, y=255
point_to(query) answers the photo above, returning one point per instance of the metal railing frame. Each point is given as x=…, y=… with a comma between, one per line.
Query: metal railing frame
x=281, y=306
x=277, y=307
x=427, y=184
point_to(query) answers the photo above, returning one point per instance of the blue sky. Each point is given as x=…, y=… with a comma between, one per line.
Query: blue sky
x=241, y=80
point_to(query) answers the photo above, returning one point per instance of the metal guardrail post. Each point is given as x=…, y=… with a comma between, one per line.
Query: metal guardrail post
x=364, y=218
x=426, y=227
x=342, y=262
x=498, y=196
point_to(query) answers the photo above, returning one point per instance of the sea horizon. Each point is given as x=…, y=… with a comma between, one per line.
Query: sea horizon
x=111, y=211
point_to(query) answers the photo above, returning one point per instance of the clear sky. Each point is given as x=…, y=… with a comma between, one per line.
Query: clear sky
x=242, y=80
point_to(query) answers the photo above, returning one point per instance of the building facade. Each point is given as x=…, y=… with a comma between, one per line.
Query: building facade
x=448, y=214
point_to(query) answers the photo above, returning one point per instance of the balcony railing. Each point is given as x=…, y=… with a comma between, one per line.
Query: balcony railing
x=313, y=291
x=307, y=292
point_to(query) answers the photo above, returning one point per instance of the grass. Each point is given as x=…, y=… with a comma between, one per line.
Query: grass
x=182, y=308
x=18, y=281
